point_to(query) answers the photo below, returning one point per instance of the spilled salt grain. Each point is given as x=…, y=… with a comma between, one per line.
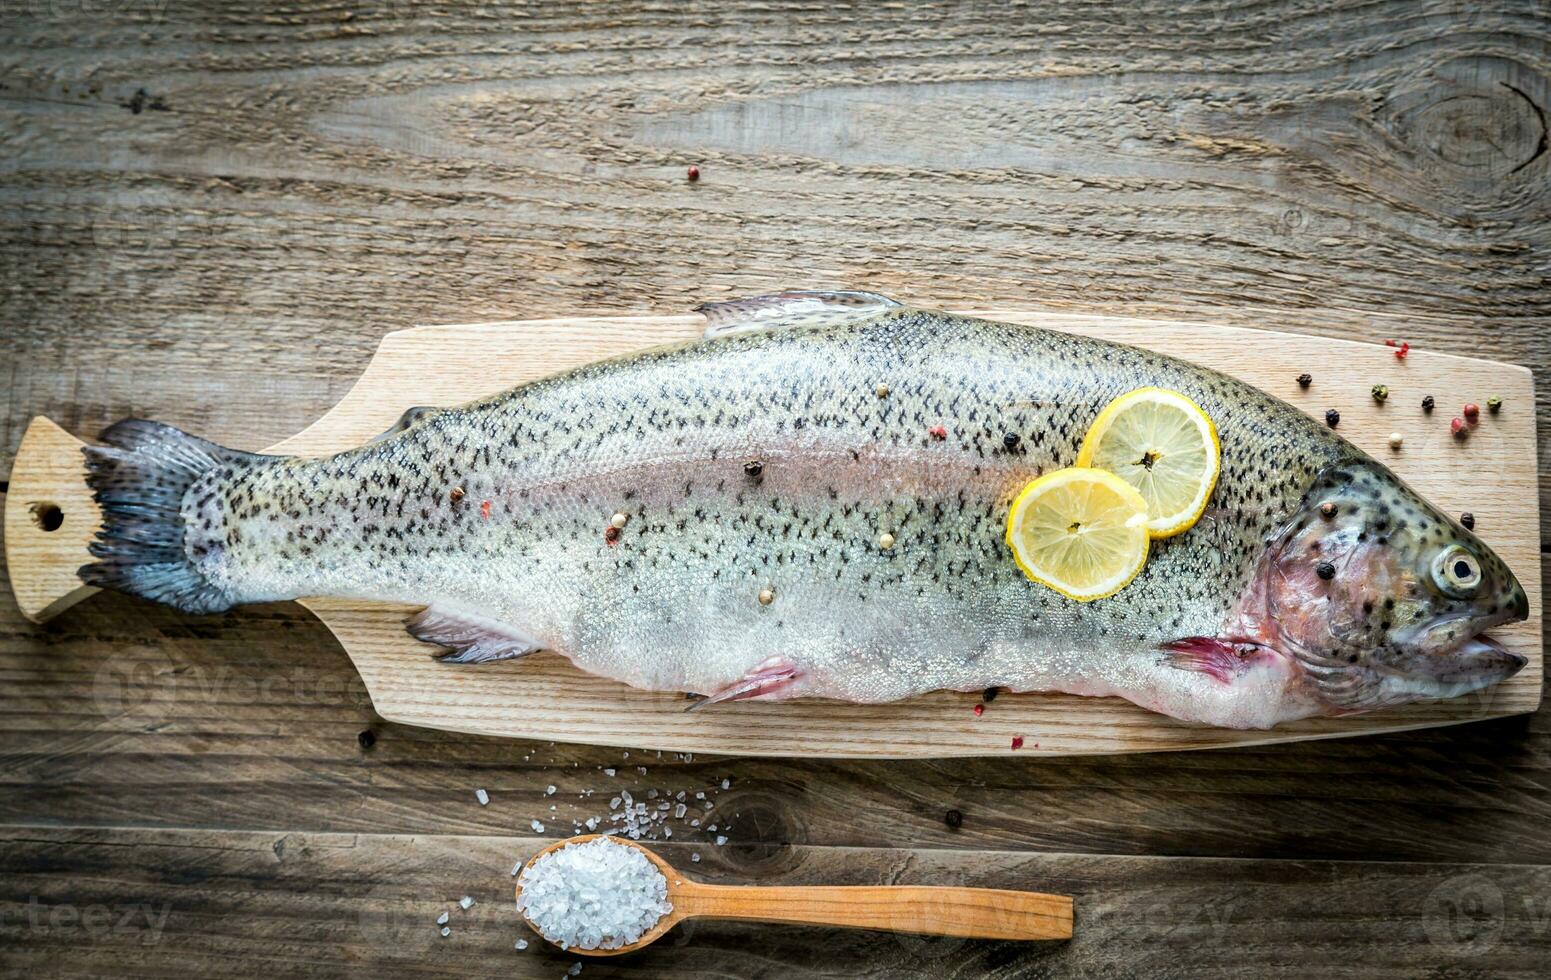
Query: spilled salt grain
x=609, y=772
x=720, y=840
x=522, y=944
x=726, y=784
x=446, y=930
x=482, y=797
x=695, y=857
x=595, y=895
x=516, y=868
x=538, y=828
x=466, y=902
x=575, y=969
x=441, y=920
x=549, y=790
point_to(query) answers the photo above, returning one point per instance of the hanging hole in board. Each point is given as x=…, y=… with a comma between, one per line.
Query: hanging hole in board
x=47, y=516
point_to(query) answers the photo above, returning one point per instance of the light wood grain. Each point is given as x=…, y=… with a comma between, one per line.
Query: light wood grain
x=931, y=910
x=545, y=697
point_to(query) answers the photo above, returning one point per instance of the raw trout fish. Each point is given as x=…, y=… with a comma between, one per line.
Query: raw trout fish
x=754, y=473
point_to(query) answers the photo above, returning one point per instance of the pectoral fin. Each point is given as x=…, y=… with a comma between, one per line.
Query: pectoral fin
x=474, y=639
x=794, y=308
x=1219, y=658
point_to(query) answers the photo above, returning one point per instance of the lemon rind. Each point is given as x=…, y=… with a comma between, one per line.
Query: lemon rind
x=1063, y=475
x=1102, y=422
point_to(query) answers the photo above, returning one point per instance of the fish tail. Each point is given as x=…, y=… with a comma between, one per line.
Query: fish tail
x=140, y=479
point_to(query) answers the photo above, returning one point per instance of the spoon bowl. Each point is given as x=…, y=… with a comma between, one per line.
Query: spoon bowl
x=975, y=913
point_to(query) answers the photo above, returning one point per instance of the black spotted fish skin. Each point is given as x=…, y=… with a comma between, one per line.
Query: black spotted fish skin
x=502, y=507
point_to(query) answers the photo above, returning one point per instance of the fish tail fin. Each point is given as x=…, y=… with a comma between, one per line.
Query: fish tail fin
x=140, y=479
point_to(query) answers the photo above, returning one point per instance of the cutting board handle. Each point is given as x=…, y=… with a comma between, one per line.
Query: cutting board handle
x=50, y=519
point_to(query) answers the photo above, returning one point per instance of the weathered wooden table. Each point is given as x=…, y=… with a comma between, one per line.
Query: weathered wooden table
x=209, y=213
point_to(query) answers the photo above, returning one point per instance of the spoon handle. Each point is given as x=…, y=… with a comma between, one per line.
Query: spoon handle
x=978, y=913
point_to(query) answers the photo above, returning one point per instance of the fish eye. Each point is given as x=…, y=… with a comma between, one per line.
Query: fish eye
x=1457, y=572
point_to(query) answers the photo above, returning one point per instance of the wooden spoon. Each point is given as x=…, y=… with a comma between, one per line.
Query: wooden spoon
x=976, y=913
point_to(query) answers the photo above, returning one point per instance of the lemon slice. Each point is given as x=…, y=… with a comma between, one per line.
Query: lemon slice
x=1083, y=532
x=1162, y=444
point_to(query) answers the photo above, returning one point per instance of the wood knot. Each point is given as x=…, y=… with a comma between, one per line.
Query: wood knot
x=763, y=828
x=1480, y=117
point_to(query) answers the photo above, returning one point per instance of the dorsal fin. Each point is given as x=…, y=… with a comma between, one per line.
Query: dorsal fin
x=793, y=308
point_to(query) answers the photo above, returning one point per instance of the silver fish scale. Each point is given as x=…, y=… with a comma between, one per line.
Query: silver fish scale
x=666, y=437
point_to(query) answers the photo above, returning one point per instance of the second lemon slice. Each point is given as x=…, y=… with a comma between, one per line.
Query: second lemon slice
x=1164, y=445
x=1083, y=532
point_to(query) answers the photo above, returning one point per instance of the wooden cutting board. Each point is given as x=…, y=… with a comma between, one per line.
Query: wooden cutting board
x=1492, y=474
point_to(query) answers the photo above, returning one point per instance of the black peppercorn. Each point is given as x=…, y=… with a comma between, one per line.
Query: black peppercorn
x=1325, y=570
x=1332, y=418
x=1469, y=520
x=1305, y=379
x=1427, y=403
x=1011, y=440
x=954, y=819
x=753, y=467
x=367, y=738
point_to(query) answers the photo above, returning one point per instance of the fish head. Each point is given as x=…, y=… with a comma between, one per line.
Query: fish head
x=1381, y=597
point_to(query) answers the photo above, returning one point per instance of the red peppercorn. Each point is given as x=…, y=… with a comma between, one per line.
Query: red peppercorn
x=694, y=174
x=611, y=535
x=484, y=510
x=979, y=710
x=1400, y=354
x=1472, y=412
x=1017, y=742
x=937, y=432
x=1457, y=426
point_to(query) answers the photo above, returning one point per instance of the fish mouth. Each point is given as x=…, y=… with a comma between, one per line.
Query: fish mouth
x=1481, y=645
x=1465, y=664
x=1462, y=635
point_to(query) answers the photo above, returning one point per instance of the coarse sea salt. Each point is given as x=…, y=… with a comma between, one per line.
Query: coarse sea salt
x=599, y=894
x=482, y=797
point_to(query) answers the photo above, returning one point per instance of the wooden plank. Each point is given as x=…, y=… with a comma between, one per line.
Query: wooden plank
x=169, y=902
x=546, y=697
x=140, y=716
